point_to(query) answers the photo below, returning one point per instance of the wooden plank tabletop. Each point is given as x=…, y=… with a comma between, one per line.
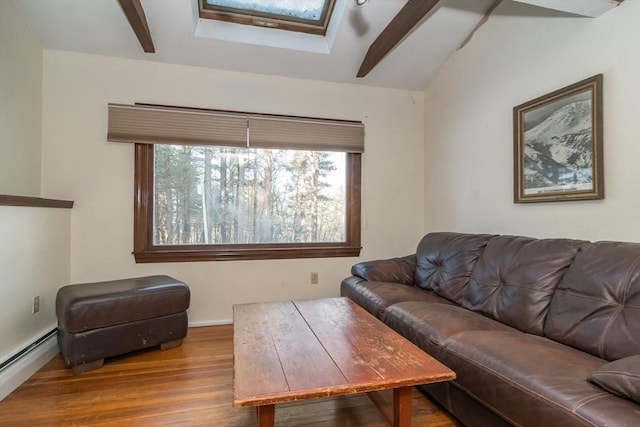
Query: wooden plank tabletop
x=294, y=350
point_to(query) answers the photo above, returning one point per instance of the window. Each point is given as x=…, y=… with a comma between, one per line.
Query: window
x=212, y=185
x=307, y=16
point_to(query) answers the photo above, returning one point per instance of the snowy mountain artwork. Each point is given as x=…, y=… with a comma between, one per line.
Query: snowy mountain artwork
x=556, y=146
x=558, y=152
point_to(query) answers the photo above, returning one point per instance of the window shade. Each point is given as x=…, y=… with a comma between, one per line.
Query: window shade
x=305, y=134
x=175, y=125
x=167, y=125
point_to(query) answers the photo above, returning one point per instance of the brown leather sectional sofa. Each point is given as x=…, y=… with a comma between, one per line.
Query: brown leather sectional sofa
x=540, y=332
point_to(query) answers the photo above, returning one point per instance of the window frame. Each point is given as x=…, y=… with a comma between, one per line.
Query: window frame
x=145, y=251
x=268, y=20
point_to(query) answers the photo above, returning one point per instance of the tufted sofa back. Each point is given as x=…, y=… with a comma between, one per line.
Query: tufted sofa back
x=515, y=278
x=508, y=278
x=585, y=295
x=444, y=262
x=596, y=307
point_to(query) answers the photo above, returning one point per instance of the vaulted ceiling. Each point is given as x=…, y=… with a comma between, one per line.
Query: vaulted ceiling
x=181, y=37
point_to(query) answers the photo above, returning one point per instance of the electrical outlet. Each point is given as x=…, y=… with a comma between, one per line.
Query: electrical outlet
x=35, y=306
x=314, y=278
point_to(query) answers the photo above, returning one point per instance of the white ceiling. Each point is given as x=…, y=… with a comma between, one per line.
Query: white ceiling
x=100, y=27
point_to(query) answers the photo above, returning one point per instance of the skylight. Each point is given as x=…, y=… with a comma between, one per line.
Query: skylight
x=308, y=16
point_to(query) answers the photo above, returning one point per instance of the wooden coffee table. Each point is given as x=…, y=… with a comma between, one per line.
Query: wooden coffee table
x=294, y=350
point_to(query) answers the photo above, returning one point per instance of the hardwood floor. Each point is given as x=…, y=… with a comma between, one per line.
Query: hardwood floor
x=191, y=385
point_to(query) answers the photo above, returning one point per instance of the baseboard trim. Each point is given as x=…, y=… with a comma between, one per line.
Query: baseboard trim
x=28, y=364
x=210, y=323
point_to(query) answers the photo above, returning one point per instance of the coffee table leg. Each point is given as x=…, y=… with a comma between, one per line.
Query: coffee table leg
x=402, y=407
x=267, y=415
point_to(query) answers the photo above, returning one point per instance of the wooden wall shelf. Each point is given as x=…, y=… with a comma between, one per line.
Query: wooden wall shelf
x=36, y=202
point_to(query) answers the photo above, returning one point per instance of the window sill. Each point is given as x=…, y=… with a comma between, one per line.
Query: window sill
x=234, y=253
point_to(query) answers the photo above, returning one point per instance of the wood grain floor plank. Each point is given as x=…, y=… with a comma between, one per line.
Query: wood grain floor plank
x=186, y=386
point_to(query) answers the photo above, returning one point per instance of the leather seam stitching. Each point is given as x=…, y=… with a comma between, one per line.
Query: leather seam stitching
x=519, y=386
x=621, y=306
x=567, y=292
x=586, y=400
x=494, y=409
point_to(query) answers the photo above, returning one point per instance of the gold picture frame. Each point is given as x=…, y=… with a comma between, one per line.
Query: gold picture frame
x=558, y=145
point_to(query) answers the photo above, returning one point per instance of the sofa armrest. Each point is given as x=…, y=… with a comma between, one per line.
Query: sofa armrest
x=399, y=270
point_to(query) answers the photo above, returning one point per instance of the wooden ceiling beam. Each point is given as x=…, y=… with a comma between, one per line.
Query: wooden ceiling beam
x=408, y=17
x=135, y=15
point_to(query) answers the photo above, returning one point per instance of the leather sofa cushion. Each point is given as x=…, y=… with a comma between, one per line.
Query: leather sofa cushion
x=429, y=325
x=445, y=260
x=621, y=377
x=530, y=380
x=515, y=277
x=88, y=306
x=596, y=307
x=375, y=297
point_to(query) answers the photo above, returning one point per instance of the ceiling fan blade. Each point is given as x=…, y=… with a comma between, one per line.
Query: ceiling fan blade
x=135, y=15
x=400, y=25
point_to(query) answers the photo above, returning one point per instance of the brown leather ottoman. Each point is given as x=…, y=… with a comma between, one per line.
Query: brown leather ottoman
x=107, y=319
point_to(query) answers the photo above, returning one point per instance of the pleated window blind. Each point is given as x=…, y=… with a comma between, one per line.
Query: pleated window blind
x=150, y=124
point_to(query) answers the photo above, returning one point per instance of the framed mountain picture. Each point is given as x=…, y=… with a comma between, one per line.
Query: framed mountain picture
x=558, y=145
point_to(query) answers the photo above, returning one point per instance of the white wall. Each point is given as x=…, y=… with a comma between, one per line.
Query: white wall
x=523, y=52
x=20, y=104
x=35, y=242
x=34, y=260
x=79, y=164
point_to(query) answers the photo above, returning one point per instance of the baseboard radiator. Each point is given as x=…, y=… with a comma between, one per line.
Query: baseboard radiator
x=19, y=367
